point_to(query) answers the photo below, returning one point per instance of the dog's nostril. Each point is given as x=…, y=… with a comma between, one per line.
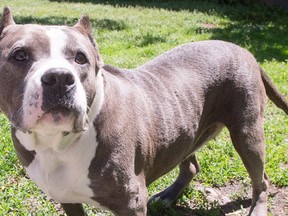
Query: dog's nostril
x=58, y=77
x=50, y=79
x=69, y=79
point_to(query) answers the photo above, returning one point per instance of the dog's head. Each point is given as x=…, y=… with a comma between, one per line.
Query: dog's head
x=47, y=74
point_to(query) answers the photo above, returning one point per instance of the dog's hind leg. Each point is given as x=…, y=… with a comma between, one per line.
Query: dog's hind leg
x=188, y=169
x=73, y=209
x=248, y=140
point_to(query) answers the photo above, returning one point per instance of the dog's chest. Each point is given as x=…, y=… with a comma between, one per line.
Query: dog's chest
x=61, y=170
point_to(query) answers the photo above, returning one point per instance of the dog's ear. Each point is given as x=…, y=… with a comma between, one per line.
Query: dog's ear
x=84, y=26
x=7, y=19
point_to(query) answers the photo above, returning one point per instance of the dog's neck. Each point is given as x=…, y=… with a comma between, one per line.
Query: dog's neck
x=57, y=139
x=99, y=97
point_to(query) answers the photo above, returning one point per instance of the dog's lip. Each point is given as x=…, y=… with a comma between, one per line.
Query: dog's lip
x=59, y=110
x=56, y=113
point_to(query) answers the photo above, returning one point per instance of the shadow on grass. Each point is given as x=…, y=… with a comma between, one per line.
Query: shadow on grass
x=175, y=5
x=258, y=28
x=265, y=41
x=220, y=210
x=108, y=24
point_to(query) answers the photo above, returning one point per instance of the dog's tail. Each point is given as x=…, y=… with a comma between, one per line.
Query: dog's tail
x=273, y=93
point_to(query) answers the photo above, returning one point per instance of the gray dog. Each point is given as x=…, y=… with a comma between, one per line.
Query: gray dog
x=91, y=133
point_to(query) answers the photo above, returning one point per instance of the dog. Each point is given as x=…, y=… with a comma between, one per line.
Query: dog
x=92, y=133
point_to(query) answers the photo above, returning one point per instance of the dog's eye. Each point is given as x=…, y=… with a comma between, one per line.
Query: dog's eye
x=20, y=55
x=81, y=58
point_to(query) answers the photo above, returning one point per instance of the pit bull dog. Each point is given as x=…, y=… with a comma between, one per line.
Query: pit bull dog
x=91, y=133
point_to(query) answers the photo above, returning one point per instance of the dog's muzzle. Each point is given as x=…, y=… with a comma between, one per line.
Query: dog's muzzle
x=58, y=89
x=59, y=98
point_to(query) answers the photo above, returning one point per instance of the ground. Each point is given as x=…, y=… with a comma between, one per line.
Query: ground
x=232, y=199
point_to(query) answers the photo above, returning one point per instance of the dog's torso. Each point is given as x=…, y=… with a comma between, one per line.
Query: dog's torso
x=163, y=108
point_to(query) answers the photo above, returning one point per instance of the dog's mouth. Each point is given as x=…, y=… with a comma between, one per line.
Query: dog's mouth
x=56, y=115
x=62, y=118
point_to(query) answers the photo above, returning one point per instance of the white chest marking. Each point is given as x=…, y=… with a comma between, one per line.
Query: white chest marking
x=64, y=175
x=61, y=164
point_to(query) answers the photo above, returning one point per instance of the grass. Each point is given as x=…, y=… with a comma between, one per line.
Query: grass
x=130, y=33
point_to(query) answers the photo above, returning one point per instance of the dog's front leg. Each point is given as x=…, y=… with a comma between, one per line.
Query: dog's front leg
x=136, y=206
x=73, y=209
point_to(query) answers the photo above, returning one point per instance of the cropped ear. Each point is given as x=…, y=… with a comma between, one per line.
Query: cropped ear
x=84, y=26
x=7, y=19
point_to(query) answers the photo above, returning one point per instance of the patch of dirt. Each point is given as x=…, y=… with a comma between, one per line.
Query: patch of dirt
x=208, y=25
x=234, y=199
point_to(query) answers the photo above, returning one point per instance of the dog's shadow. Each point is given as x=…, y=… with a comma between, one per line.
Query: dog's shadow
x=158, y=209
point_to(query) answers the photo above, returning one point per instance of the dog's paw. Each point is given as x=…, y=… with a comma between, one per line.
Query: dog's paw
x=161, y=198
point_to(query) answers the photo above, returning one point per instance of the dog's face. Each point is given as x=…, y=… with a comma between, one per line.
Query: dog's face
x=47, y=74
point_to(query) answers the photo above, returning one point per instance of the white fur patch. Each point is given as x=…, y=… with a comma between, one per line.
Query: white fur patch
x=99, y=97
x=63, y=174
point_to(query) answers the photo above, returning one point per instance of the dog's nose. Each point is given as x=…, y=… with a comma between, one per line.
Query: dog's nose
x=59, y=86
x=58, y=78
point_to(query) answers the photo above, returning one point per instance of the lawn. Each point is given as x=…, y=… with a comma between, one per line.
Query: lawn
x=129, y=34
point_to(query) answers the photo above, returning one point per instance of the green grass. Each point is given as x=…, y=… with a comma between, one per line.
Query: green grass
x=130, y=33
